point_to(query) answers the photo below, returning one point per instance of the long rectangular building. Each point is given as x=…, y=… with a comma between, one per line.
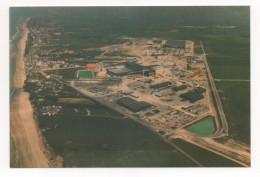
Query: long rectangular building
x=160, y=85
x=119, y=71
x=131, y=68
x=132, y=104
x=175, y=44
x=192, y=96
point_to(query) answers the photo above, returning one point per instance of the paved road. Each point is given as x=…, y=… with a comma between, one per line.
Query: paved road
x=232, y=80
x=224, y=130
x=51, y=69
x=31, y=61
x=92, y=116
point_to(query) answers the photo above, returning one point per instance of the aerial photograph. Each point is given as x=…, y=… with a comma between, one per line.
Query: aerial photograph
x=129, y=86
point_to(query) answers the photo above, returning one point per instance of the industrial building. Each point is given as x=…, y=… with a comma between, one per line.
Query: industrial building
x=42, y=73
x=132, y=104
x=134, y=66
x=91, y=65
x=179, y=88
x=119, y=71
x=130, y=69
x=200, y=90
x=198, y=59
x=160, y=85
x=192, y=96
x=165, y=93
x=149, y=42
x=157, y=54
x=175, y=44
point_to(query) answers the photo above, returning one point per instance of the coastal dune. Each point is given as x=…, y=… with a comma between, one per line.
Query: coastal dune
x=23, y=126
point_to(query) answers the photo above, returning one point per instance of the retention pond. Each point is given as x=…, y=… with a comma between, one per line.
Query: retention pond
x=203, y=126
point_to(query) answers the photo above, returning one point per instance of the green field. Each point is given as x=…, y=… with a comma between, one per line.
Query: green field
x=204, y=126
x=85, y=74
x=108, y=142
x=65, y=73
x=207, y=158
x=236, y=104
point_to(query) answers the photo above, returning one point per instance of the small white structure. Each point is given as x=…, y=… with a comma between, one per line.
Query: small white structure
x=149, y=42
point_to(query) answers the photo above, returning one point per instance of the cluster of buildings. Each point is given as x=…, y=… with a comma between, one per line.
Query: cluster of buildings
x=161, y=82
x=50, y=110
x=164, y=95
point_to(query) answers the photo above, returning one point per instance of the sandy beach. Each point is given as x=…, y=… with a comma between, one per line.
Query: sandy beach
x=23, y=127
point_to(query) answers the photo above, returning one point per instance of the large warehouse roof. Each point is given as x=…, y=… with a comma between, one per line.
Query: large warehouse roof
x=175, y=44
x=134, y=66
x=130, y=68
x=192, y=96
x=132, y=104
x=119, y=70
x=159, y=85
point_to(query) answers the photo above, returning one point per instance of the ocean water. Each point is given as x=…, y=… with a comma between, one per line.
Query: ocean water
x=14, y=36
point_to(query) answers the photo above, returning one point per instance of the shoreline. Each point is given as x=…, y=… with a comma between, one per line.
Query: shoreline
x=23, y=126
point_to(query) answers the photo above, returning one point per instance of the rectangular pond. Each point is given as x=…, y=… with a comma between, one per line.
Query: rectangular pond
x=203, y=126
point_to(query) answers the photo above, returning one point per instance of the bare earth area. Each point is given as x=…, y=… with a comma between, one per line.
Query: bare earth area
x=23, y=127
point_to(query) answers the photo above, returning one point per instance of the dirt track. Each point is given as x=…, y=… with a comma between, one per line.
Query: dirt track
x=23, y=127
